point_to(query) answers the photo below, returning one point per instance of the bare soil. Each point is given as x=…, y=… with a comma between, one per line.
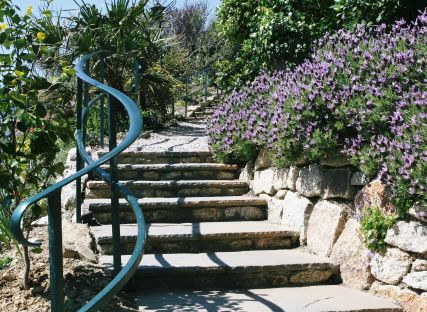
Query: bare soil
x=82, y=281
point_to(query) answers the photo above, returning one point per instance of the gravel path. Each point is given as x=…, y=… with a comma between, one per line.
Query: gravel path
x=187, y=136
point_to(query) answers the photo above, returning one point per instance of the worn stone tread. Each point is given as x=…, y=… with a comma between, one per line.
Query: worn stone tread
x=293, y=299
x=171, y=188
x=176, y=171
x=139, y=156
x=264, y=261
x=174, y=183
x=183, y=209
x=103, y=204
x=198, y=230
x=172, y=167
x=128, y=153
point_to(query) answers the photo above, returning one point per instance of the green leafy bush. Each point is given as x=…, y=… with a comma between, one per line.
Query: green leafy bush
x=353, y=12
x=267, y=34
x=127, y=30
x=241, y=154
x=32, y=118
x=275, y=34
x=374, y=226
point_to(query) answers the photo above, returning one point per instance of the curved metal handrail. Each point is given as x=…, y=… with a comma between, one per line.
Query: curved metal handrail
x=135, y=128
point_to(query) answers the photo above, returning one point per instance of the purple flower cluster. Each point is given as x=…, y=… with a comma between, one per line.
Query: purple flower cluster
x=362, y=93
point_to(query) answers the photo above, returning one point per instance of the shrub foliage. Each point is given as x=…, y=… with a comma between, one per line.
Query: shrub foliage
x=273, y=34
x=361, y=93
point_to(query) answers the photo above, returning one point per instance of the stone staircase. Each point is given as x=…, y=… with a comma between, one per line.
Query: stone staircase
x=205, y=235
x=203, y=109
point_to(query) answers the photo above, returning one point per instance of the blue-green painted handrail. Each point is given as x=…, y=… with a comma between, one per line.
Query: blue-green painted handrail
x=135, y=128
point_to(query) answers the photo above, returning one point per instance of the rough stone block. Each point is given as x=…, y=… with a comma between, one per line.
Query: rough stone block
x=280, y=178
x=296, y=213
x=352, y=255
x=293, y=174
x=419, y=265
x=325, y=226
x=263, y=160
x=281, y=194
x=275, y=210
x=263, y=182
x=419, y=212
x=410, y=300
x=247, y=173
x=417, y=280
x=336, y=183
x=68, y=193
x=310, y=277
x=337, y=160
x=359, y=179
x=266, y=197
x=309, y=182
x=77, y=242
x=375, y=194
x=391, y=266
x=409, y=236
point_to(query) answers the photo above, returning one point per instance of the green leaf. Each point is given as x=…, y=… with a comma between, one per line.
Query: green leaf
x=40, y=111
x=7, y=203
x=69, y=71
x=37, y=250
x=5, y=262
x=5, y=178
x=37, y=211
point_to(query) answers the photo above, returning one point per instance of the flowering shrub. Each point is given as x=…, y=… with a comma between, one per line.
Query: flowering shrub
x=362, y=93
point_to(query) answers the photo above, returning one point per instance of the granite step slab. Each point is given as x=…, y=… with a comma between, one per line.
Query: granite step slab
x=186, y=171
x=332, y=298
x=255, y=268
x=165, y=157
x=200, y=237
x=184, y=209
x=172, y=188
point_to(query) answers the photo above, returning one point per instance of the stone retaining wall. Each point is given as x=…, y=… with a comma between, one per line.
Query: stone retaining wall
x=324, y=201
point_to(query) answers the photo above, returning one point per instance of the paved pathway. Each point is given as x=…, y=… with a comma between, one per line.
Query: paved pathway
x=187, y=136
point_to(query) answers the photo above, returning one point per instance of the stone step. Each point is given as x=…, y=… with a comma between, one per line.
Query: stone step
x=332, y=298
x=189, y=171
x=255, y=268
x=184, y=209
x=201, y=237
x=196, y=119
x=203, y=114
x=99, y=189
x=170, y=157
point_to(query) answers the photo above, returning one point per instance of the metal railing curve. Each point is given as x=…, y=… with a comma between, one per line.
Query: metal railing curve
x=53, y=193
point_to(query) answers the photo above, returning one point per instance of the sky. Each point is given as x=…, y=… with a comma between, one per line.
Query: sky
x=69, y=4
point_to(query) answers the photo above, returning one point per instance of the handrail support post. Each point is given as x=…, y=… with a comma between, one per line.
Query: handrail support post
x=102, y=103
x=138, y=68
x=115, y=209
x=55, y=252
x=186, y=99
x=79, y=160
x=205, y=80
